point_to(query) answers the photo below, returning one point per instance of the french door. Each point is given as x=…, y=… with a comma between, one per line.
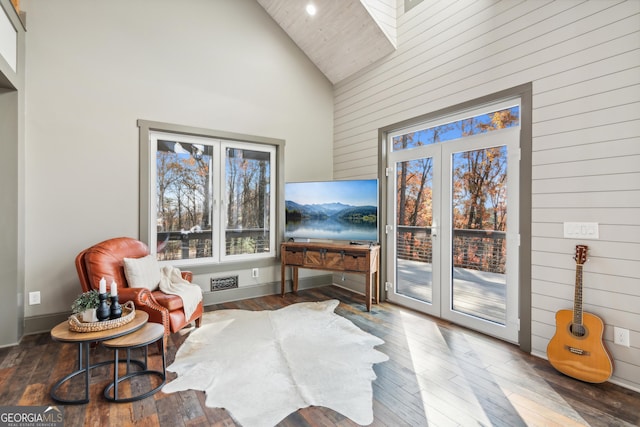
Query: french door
x=453, y=219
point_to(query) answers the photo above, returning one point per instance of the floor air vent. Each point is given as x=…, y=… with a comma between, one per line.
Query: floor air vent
x=220, y=283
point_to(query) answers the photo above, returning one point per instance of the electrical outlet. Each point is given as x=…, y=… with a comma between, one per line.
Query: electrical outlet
x=34, y=298
x=254, y=272
x=621, y=336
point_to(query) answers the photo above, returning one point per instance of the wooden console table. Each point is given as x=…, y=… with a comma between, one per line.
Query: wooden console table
x=346, y=258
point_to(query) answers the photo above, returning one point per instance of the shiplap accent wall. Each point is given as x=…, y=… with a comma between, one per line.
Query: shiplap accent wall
x=583, y=59
x=384, y=13
x=8, y=40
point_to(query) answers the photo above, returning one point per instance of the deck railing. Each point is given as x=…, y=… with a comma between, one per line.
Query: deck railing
x=483, y=250
x=173, y=245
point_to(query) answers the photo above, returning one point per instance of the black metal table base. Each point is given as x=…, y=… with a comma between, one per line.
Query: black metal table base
x=114, y=397
x=84, y=368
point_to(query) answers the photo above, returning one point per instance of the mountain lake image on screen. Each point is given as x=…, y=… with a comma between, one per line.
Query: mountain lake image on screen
x=332, y=210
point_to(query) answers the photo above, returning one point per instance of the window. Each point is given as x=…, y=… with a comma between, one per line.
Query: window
x=209, y=200
x=434, y=133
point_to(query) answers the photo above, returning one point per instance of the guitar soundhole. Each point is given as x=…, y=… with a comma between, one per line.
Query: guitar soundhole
x=578, y=330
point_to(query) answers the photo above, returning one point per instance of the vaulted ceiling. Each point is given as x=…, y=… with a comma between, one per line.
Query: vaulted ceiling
x=343, y=37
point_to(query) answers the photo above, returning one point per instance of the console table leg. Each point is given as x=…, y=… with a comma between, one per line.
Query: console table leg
x=295, y=279
x=367, y=292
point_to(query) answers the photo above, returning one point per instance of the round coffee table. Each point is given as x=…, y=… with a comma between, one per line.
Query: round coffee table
x=148, y=334
x=62, y=333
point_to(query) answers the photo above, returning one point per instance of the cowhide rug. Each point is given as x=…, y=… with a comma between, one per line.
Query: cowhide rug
x=263, y=365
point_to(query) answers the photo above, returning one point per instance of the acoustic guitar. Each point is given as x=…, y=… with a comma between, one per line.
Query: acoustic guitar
x=577, y=349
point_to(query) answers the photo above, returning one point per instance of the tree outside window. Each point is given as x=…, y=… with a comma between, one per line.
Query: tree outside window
x=479, y=191
x=213, y=198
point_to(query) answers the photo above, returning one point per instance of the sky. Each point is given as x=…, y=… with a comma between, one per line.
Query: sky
x=349, y=192
x=447, y=131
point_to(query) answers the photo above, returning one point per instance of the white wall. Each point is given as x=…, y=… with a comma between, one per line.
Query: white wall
x=583, y=59
x=94, y=68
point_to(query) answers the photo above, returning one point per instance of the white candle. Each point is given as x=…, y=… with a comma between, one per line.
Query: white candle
x=103, y=286
x=114, y=289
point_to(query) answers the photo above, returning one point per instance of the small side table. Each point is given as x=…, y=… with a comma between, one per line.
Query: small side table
x=148, y=334
x=62, y=333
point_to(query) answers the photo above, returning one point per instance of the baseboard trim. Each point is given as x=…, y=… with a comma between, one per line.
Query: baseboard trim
x=263, y=289
x=41, y=324
x=612, y=380
x=12, y=344
x=44, y=323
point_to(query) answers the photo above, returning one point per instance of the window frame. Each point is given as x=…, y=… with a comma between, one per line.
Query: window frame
x=224, y=144
x=452, y=118
x=147, y=200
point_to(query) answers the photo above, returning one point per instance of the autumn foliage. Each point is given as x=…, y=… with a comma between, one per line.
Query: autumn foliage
x=478, y=200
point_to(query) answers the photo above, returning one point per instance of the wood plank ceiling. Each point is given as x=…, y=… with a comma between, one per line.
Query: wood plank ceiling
x=341, y=39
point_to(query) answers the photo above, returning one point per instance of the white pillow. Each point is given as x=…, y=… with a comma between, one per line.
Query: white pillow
x=142, y=272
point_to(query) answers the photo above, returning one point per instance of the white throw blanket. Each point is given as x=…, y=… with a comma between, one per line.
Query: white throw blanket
x=171, y=282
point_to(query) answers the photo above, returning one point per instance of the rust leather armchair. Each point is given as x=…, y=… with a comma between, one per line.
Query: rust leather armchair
x=106, y=259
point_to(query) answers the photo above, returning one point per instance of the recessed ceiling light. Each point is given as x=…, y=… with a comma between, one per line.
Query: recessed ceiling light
x=311, y=9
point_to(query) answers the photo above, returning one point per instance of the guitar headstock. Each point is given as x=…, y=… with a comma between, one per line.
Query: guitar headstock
x=581, y=254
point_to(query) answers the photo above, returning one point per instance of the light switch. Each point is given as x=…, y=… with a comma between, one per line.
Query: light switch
x=581, y=230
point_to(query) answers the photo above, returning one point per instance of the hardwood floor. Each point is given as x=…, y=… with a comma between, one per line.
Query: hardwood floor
x=438, y=375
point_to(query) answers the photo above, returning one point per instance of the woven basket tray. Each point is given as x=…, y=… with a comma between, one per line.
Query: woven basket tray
x=128, y=314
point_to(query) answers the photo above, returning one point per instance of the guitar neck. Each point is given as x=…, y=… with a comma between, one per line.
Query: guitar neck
x=577, y=298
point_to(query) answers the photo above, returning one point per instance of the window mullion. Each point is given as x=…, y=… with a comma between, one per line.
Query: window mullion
x=216, y=199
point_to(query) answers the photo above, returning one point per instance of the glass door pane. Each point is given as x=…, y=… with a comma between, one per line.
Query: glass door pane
x=479, y=226
x=414, y=219
x=448, y=197
x=183, y=202
x=247, y=201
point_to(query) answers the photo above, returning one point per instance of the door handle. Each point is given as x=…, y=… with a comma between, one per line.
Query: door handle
x=434, y=229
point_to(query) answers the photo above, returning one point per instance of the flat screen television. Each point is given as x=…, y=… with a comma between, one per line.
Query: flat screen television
x=332, y=210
